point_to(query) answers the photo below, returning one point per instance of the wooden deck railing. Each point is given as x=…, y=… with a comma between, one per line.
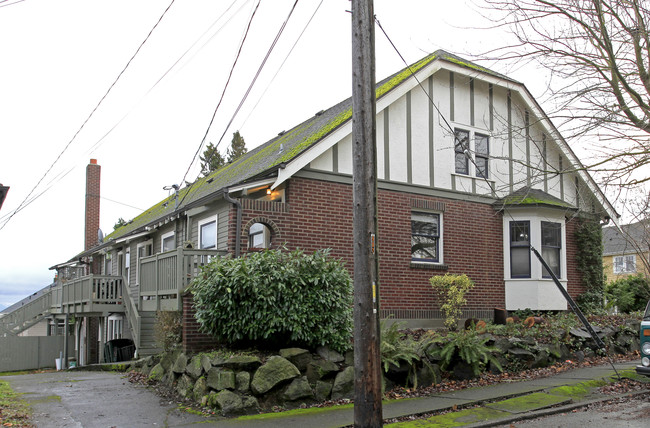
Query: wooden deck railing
x=164, y=276
x=26, y=315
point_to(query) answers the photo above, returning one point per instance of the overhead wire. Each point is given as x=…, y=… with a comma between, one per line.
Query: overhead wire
x=241, y=103
x=19, y=208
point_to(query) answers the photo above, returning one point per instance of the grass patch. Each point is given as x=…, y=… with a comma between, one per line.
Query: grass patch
x=454, y=419
x=295, y=412
x=14, y=412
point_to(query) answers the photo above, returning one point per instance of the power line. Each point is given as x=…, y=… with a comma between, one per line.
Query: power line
x=259, y=70
x=10, y=4
x=89, y=116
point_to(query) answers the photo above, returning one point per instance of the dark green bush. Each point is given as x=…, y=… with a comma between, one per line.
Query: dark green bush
x=629, y=294
x=276, y=297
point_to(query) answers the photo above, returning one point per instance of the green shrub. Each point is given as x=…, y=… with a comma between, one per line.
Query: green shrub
x=277, y=297
x=168, y=329
x=450, y=291
x=398, y=348
x=589, y=259
x=629, y=294
x=467, y=346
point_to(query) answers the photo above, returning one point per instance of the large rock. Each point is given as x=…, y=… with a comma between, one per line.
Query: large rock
x=220, y=379
x=157, y=372
x=180, y=364
x=429, y=374
x=229, y=403
x=320, y=369
x=344, y=384
x=322, y=390
x=243, y=382
x=206, y=363
x=239, y=362
x=297, y=389
x=299, y=357
x=185, y=386
x=329, y=355
x=276, y=371
x=194, y=369
x=200, y=389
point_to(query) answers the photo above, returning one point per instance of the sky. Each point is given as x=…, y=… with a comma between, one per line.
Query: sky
x=59, y=59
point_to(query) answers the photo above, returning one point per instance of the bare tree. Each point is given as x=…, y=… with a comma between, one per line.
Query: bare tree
x=598, y=55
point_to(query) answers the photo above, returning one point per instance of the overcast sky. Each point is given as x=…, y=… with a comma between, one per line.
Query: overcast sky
x=60, y=57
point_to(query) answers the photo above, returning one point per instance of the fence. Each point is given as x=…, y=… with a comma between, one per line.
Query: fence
x=31, y=352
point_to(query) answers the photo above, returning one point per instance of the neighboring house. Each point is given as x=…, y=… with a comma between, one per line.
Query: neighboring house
x=626, y=251
x=471, y=174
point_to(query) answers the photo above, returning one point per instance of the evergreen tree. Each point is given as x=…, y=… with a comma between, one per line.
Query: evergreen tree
x=237, y=147
x=211, y=160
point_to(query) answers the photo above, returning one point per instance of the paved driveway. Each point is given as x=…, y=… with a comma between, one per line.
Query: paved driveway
x=95, y=399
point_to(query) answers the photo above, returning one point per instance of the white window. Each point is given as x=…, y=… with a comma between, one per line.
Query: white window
x=208, y=233
x=127, y=266
x=520, y=249
x=461, y=149
x=482, y=155
x=552, y=247
x=625, y=264
x=167, y=242
x=259, y=236
x=425, y=237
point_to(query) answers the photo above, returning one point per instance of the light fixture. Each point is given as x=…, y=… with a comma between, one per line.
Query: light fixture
x=268, y=191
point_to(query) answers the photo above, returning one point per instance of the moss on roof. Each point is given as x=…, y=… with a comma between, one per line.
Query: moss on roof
x=527, y=196
x=264, y=159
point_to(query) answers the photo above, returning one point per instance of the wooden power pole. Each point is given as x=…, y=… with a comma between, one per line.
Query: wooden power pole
x=367, y=362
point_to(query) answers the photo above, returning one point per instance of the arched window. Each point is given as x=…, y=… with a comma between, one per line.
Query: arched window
x=259, y=236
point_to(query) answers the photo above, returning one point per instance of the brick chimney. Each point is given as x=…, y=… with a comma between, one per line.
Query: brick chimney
x=93, y=178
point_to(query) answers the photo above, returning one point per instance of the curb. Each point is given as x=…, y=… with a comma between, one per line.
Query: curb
x=554, y=410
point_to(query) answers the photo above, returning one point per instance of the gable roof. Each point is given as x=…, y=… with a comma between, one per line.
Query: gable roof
x=619, y=241
x=270, y=159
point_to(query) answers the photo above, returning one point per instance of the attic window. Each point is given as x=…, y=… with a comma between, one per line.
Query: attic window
x=461, y=146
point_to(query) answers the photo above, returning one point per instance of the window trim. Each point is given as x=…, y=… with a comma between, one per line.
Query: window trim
x=439, y=246
x=483, y=156
x=527, y=246
x=266, y=236
x=459, y=144
x=200, y=225
x=545, y=273
x=166, y=236
x=624, y=264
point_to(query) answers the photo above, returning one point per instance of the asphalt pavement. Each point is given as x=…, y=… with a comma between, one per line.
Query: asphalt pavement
x=105, y=399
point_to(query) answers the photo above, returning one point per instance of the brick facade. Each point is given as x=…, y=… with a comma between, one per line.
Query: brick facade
x=193, y=339
x=93, y=184
x=318, y=214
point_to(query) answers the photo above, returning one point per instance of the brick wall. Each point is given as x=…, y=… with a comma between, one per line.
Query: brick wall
x=93, y=182
x=193, y=339
x=318, y=214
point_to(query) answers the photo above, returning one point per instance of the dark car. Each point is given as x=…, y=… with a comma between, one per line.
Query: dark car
x=644, y=368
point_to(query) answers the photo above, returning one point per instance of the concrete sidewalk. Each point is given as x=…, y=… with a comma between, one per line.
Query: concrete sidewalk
x=481, y=396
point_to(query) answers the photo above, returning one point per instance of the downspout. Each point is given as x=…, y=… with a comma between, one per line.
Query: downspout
x=226, y=196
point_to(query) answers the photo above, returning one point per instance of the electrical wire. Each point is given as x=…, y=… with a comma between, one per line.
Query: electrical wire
x=245, y=96
x=10, y=4
x=89, y=116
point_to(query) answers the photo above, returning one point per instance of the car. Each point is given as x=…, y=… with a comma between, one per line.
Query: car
x=644, y=335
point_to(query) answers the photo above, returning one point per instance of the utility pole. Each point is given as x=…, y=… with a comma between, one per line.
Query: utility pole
x=367, y=362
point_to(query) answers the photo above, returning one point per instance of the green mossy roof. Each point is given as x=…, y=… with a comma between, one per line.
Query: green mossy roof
x=263, y=160
x=527, y=196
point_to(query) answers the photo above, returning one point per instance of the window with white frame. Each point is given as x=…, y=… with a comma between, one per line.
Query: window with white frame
x=259, y=236
x=461, y=148
x=208, y=233
x=482, y=155
x=167, y=242
x=520, y=249
x=551, y=247
x=127, y=265
x=425, y=237
x=625, y=264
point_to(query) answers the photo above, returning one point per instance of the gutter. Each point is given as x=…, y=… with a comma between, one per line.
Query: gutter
x=226, y=196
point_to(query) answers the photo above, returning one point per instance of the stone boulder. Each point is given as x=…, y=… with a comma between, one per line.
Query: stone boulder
x=344, y=384
x=297, y=356
x=185, y=386
x=157, y=372
x=297, y=389
x=220, y=379
x=239, y=362
x=200, y=389
x=180, y=364
x=194, y=369
x=277, y=370
x=329, y=355
x=321, y=369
